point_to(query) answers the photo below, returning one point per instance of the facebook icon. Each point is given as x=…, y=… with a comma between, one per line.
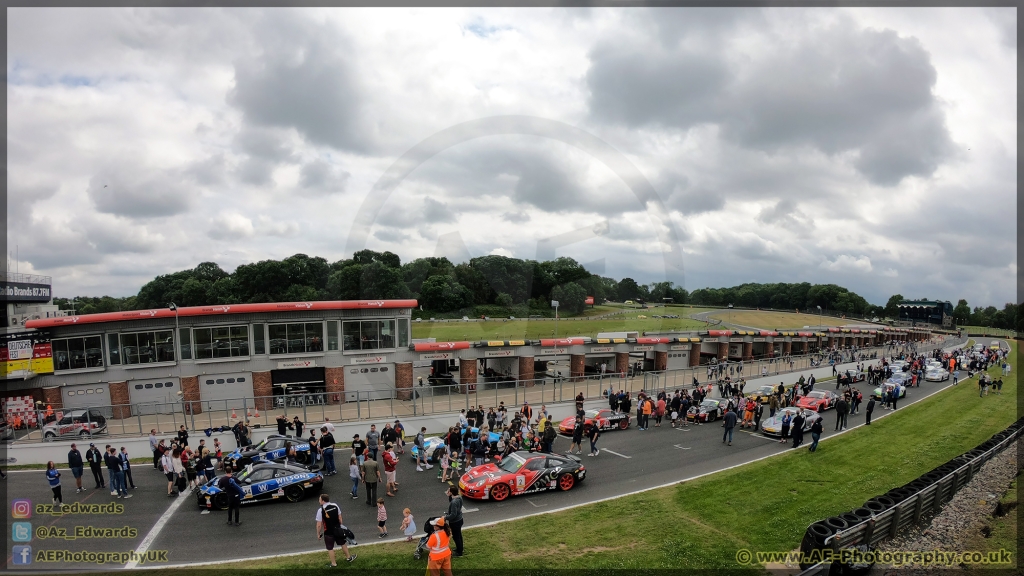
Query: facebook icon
x=22, y=555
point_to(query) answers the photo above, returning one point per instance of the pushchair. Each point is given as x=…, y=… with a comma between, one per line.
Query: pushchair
x=429, y=529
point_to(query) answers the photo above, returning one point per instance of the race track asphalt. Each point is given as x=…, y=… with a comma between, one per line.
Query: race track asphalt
x=630, y=461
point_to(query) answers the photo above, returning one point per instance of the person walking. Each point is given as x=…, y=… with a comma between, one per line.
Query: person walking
x=390, y=469
x=329, y=529
x=577, y=436
x=787, y=421
x=421, y=451
x=593, y=434
x=816, y=430
x=153, y=443
x=896, y=395
x=53, y=479
x=182, y=436
x=117, y=478
x=773, y=405
x=841, y=408
x=76, y=464
x=326, y=444
x=359, y=449
x=440, y=559
x=729, y=423
x=870, y=408
x=126, y=467
x=373, y=441
x=453, y=518
x=758, y=413
x=95, y=459
x=371, y=476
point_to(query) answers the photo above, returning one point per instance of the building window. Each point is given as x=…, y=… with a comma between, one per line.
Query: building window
x=113, y=349
x=146, y=347
x=258, y=339
x=296, y=338
x=368, y=334
x=75, y=353
x=221, y=342
x=403, y=333
x=148, y=386
x=332, y=335
x=138, y=386
x=186, y=343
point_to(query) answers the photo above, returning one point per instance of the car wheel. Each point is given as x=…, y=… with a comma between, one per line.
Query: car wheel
x=219, y=501
x=294, y=493
x=820, y=408
x=623, y=424
x=49, y=436
x=84, y=434
x=566, y=482
x=500, y=492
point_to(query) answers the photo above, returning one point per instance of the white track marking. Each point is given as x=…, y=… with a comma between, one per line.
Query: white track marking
x=678, y=447
x=155, y=530
x=616, y=453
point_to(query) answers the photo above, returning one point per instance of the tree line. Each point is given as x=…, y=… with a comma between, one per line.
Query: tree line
x=492, y=285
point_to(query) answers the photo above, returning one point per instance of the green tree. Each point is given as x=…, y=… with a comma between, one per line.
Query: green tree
x=962, y=312
x=380, y=281
x=628, y=289
x=571, y=297
x=444, y=294
x=892, y=306
x=504, y=300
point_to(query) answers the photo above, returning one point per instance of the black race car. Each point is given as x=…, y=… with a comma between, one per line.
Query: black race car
x=264, y=481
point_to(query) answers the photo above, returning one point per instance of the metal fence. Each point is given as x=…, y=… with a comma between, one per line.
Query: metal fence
x=886, y=516
x=421, y=400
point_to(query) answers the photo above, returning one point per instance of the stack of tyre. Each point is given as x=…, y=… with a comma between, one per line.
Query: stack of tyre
x=818, y=533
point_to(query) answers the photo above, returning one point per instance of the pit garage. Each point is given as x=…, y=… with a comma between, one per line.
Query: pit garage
x=592, y=363
x=87, y=396
x=678, y=357
x=369, y=382
x=226, y=391
x=154, y=396
x=499, y=370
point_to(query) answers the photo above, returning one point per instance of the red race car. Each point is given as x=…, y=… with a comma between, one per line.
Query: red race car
x=522, y=473
x=818, y=400
x=605, y=419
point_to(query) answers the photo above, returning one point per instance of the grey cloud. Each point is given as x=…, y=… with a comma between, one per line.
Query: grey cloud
x=837, y=89
x=434, y=211
x=1005, y=20
x=209, y=171
x=392, y=236
x=145, y=193
x=321, y=177
x=305, y=78
x=21, y=197
x=519, y=217
x=679, y=194
x=784, y=214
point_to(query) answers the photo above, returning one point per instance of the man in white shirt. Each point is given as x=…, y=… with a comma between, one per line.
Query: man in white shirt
x=327, y=424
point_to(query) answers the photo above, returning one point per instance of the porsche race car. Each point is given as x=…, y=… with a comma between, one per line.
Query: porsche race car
x=274, y=448
x=818, y=400
x=708, y=411
x=773, y=425
x=604, y=419
x=522, y=473
x=262, y=482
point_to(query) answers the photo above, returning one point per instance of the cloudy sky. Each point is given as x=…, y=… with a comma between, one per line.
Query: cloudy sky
x=871, y=148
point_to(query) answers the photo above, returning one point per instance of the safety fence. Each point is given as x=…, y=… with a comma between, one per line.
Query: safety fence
x=423, y=399
x=845, y=540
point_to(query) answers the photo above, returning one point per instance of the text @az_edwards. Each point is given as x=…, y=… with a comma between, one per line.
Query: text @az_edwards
x=79, y=508
x=76, y=532
x=890, y=558
x=87, y=557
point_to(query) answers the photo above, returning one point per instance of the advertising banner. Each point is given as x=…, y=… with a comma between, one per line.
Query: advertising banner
x=498, y=353
x=24, y=292
x=370, y=360
x=596, y=349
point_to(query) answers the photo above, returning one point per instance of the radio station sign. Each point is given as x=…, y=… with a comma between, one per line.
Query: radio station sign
x=553, y=351
x=642, y=348
x=296, y=364
x=498, y=353
x=438, y=356
x=370, y=360
x=24, y=292
x=602, y=349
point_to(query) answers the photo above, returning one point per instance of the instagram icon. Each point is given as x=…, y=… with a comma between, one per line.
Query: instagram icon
x=21, y=508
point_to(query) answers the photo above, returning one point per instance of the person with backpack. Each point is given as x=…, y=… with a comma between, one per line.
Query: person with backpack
x=330, y=529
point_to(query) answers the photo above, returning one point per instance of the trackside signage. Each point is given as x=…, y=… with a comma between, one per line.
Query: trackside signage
x=498, y=353
x=605, y=349
x=370, y=360
x=438, y=356
x=24, y=292
x=553, y=351
x=284, y=365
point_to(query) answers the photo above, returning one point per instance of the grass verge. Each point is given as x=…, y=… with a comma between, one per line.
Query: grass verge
x=776, y=320
x=578, y=326
x=702, y=524
x=1001, y=532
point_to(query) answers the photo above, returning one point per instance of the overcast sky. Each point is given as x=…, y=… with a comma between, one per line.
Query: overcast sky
x=872, y=148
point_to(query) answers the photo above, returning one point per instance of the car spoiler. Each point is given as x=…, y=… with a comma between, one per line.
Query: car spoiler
x=573, y=457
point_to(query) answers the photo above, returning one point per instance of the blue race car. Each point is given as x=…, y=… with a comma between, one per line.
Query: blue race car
x=435, y=446
x=262, y=482
x=273, y=449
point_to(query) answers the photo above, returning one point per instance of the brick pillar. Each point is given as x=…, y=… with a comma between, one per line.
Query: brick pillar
x=403, y=381
x=787, y=348
x=120, y=400
x=748, y=351
x=576, y=363
x=526, y=374
x=190, y=390
x=723, y=351
x=467, y=375
x=661, y=361
x=622, y=362
x=334, y=379
x=694, y=355
x=263, y=386
x=52, y=398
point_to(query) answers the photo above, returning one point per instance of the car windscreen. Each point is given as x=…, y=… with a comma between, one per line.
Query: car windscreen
x=591, y=413
x=511, y=463
x=818, y=395
x=709, y=404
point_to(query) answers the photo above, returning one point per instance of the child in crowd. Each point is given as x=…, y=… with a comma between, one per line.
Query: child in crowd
x=382, y=518
x=408, y=526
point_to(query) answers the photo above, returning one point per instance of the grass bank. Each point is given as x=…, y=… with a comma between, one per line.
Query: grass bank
x=577, y=326
x=700, y=525
x=777, y=320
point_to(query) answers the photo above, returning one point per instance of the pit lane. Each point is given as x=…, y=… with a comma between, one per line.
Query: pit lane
x=630, y=461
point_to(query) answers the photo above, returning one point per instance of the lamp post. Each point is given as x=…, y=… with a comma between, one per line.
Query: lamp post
x=820, y=325
x=177, y=359
x=554, y=303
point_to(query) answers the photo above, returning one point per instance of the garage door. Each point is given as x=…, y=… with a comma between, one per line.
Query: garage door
x=155, y=396
x=226, y=391
x=371, y=382
x=88, y=396
x=678, y=360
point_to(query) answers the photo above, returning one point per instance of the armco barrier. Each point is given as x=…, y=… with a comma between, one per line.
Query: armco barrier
x=883, y=517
